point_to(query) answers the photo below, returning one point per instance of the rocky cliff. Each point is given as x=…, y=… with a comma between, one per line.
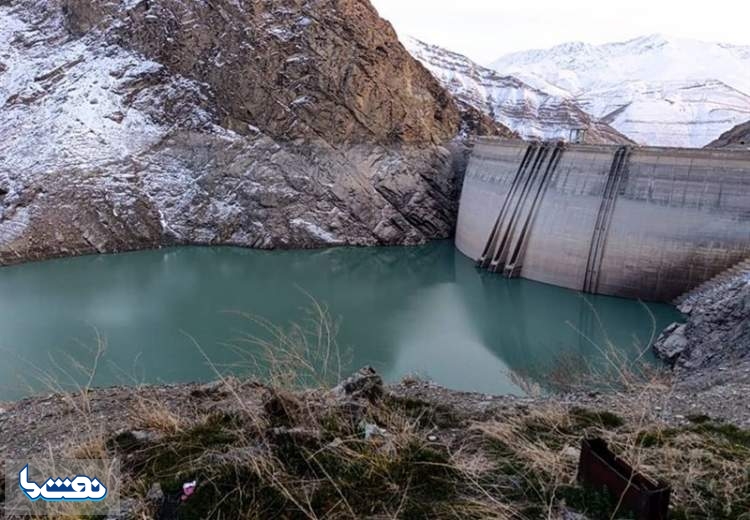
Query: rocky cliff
x=718, y=327
x=294, y=69
x=137, y=123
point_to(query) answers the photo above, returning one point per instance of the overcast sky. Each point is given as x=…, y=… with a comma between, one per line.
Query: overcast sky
x=484, y=30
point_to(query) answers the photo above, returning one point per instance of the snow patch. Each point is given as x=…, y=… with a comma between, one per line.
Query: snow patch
x=315, y=230
x=13, y=227
x=61, y=118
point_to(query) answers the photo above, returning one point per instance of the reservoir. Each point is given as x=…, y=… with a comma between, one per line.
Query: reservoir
x=181, y=314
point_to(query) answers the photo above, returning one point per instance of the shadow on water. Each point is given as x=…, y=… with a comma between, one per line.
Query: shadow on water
x=533, y=327
x=403, y=310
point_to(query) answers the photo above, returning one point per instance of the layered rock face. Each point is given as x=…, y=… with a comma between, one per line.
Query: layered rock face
x=137, y=123
x=293, y=68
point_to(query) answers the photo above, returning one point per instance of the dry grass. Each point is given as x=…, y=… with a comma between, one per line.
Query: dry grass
x=310, y=459
x=303, y=354
x=707, y=465
x=151, y=413
x=73, y=380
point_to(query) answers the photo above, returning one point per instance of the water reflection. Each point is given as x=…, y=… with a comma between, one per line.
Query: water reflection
x=403, y=310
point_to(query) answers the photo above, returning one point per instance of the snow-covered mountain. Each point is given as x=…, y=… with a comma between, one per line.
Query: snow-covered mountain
x=656, y=90
x=531, y=112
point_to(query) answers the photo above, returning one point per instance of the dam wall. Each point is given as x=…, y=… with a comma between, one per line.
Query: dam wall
x=636, y=222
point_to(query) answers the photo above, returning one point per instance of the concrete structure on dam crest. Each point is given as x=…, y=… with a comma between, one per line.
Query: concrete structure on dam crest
x=636, y=222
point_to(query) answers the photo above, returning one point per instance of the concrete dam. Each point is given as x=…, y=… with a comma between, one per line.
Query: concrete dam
x=637, y=222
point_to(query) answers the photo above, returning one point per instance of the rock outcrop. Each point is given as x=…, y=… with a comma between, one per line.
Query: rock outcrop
x=138, y=123
x=717, y=332
x=294, y=69
x=710, y=352
x=738, y=137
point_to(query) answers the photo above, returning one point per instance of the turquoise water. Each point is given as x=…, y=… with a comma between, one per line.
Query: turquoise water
x=424, y=310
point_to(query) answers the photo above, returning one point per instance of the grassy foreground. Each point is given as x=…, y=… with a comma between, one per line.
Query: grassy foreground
x=379, y=454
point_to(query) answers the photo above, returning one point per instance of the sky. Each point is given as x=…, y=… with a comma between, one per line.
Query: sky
x=484, y=30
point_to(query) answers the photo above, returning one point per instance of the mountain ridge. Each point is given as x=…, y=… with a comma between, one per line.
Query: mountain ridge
x=657, y=90
x=529, y=111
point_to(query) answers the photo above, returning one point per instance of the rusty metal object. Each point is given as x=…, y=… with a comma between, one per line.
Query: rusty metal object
x=600, y=468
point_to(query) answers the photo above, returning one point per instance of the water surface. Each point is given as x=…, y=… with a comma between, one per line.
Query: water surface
x=423, y=310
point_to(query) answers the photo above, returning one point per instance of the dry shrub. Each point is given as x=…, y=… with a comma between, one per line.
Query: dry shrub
x=310, y=458
x=707, y=464
x=151, y=413
x=531, y=451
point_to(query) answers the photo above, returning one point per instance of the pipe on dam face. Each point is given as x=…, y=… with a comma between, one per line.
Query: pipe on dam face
x=637, y=222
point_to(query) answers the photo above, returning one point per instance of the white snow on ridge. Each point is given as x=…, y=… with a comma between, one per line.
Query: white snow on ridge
x=655, y=89
x=315, y=231
x=685, y=114
x=531, y=112
x=580, y=67
x=61, y=108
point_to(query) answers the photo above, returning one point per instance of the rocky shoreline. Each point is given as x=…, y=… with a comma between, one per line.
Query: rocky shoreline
x=710, y=352
x=409, y=196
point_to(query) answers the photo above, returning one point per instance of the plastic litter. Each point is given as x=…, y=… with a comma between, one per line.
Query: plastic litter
x=372, y=431
x=188, y=488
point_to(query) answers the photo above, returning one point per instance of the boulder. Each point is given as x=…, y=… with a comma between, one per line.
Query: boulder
x=366, y=383
x=672, y=343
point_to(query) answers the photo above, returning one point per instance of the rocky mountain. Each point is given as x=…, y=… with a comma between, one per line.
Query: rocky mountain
x=137, y=123
x=655, y=89
x=528, y=111
x=737, y=137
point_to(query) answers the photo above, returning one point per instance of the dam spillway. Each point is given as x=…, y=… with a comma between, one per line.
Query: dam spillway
x=637, y=222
